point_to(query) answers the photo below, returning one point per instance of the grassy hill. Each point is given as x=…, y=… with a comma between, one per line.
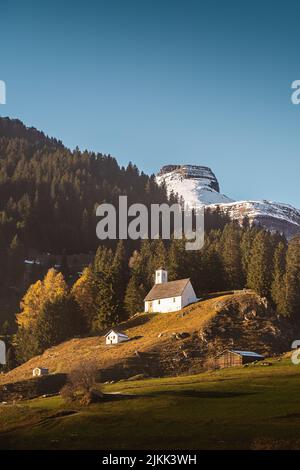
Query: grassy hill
x=172, y=343
x=256, y=407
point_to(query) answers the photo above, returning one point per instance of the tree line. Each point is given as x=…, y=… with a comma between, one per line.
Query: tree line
x=113, y=287
x=49, y=195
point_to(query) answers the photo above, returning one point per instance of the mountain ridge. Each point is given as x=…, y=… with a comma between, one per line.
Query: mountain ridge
x=197, y=185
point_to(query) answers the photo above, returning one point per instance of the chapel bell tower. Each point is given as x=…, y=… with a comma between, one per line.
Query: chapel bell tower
x=161, y=275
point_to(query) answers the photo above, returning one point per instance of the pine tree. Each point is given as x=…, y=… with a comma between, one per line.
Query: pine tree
x=16, y=259
x=156, y=258
x=260, y=268
x=231, y=256
x=134, y=298
x=107, y=309
x=10, y=358
x=178, y=263
x=278, y=290
x=26, y=344
x=106, y=303
x=292, y=279
x=5, y=328
x=213, y=276
x=59, y=320
x=246, y=247
x=64, y=267
x=120, y=279
x=142, y=263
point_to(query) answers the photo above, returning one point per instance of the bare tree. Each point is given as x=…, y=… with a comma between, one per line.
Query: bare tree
x=81, y=383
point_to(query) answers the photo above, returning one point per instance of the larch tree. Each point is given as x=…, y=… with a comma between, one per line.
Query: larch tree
x=30, y=305
x=83, y=291
x=52, y=289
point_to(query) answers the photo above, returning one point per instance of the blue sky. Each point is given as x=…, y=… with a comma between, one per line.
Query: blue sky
x=162, y=81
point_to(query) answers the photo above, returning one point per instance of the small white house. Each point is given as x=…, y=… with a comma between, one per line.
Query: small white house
x=2, y=353
x=169, y=296
x=115, y=337
x=39, y=371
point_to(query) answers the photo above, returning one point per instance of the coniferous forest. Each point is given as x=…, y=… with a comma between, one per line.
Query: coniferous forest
x=48, y=196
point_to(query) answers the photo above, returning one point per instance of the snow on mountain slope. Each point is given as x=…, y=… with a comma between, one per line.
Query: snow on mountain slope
x=274, y=216
x=199, y=186
x=196, y=184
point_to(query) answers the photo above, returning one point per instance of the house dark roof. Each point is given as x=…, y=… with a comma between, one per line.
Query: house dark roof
x=242, y=353
x=167, y=289
x=247, y=353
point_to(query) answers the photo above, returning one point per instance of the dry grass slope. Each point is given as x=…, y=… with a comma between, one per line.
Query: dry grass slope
x=143, y=329
x=152, y=349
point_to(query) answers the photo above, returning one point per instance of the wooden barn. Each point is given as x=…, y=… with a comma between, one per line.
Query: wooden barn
x=230, y=358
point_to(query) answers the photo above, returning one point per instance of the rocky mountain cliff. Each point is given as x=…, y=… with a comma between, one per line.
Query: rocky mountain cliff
x=198, y=185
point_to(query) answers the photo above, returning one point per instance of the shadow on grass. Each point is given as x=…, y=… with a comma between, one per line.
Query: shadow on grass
x=289, y=416
x=138, y=321
x=200, y=394
x=120, y=396
x=174, y=393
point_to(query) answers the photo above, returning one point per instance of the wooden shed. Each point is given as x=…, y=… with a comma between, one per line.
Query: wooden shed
x=115, y=337
x=39, y=371
x=230, y=358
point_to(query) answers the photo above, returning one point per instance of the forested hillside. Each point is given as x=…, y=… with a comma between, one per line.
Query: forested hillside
x=48, y=195
x=113, y=287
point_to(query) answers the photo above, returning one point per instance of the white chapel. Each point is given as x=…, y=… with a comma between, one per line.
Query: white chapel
x=169, y=296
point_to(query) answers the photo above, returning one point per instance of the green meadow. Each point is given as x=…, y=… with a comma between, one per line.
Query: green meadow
x=257, y=407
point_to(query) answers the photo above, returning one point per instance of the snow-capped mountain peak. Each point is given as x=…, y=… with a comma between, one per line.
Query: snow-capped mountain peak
x=198, y=185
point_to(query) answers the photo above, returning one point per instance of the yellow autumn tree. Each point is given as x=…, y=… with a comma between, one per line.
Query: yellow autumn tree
x=52, y=288
x=30, y=305
x=83, y=293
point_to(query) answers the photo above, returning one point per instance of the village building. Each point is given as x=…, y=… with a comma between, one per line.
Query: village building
x=230, y=358
x=169, y=296
x=2, y=353
x=39, y=371
x=115, y=337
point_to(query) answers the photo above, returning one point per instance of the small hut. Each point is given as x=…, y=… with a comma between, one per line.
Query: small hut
x=115, y=337
x=2, y=353
x=39, y=371
x=230, y=358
